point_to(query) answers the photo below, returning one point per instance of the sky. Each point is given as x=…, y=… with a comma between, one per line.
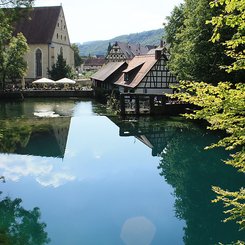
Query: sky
x=105, y=19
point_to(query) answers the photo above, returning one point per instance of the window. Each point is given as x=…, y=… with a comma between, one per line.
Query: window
x=57, y=36
x=38, y=63
x=61, y=51
x=126, y=77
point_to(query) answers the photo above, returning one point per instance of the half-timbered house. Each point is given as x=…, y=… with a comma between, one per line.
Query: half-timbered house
x=121, y=51
x=147, y=74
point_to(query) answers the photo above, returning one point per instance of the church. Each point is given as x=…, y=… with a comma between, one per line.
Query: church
x=47, y=36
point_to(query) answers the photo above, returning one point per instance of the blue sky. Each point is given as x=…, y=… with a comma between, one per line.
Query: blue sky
x=103, y=20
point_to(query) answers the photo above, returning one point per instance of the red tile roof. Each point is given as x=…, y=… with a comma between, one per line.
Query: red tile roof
x=147, y=62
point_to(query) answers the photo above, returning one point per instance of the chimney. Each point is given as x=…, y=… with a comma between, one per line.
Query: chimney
x=158, y=54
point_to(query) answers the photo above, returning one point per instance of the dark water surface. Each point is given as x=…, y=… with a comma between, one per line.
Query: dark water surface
x=75, y=176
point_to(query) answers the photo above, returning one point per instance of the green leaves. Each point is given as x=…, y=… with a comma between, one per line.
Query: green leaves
x=233, y=16
x=60, y=69
x=222, y=106
x=234, y=202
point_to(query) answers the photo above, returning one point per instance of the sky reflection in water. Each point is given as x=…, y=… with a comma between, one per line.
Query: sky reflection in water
x=106, y=189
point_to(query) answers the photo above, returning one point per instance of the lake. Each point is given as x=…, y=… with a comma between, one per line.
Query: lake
x=73, y=174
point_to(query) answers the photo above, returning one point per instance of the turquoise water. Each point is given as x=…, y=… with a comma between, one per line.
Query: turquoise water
x=73, y=175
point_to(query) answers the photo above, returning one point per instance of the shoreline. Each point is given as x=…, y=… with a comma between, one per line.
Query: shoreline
x=22, y=94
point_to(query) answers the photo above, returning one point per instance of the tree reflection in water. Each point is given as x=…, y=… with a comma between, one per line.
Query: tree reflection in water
x=192, y=171
x=19, y=226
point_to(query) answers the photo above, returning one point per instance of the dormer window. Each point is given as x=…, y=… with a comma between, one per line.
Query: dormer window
x=126, y=77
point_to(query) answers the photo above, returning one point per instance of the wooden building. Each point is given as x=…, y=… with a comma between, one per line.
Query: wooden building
x=147, y=74
x=108, y=75
x=47, y=36
x=121, y=51
x=93, y=64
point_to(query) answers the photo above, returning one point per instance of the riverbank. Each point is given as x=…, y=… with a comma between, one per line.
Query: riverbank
x=22, y=94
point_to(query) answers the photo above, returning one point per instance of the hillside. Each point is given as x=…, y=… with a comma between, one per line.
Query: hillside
x=100, y=47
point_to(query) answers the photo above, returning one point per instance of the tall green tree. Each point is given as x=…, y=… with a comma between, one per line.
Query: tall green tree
x=193, y=56
x=223, y=106
x=12, y=49
x=60, y=69
x=77, y=57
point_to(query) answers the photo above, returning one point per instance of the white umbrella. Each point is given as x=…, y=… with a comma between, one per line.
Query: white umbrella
x=65, y=81
x=44, y=80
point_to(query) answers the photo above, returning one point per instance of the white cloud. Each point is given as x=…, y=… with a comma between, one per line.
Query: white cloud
x=15, y=167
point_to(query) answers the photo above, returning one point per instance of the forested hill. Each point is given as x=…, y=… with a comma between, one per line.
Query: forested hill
x=100, y=47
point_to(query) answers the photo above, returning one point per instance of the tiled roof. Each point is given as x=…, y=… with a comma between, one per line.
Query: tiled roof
x=38, y=27
x=147, y=62
x=130, y=50
x=107, y=70
x=94, y=62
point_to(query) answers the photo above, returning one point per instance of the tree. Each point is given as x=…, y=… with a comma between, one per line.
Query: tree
x=16, y=3
x=192, y=171
x=189, y=38
x=77, y=57
x=60, y=69
x=109, y=48
x=222, y=106
x=12, y=49
x=15, y=65
x=19, y=226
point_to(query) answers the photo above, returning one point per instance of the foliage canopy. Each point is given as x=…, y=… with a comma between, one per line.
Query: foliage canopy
x=222, y=106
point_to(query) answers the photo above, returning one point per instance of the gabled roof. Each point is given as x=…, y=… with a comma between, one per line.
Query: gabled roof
x=147, y=62
x=94, y=62
x=130, y=50
x=107, y=70
x=39, y=24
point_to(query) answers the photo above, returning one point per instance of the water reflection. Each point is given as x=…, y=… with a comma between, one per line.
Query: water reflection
x=21, y=226
x=154, y=133
x=191, y=171
x=138, y=230
x=38, y=128
x=107, y=185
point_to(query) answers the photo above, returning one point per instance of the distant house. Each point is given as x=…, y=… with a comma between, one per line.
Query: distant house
x=147, y=74
x=125, y=51
x=47, y=36
x=93, y=64
x=108, y=75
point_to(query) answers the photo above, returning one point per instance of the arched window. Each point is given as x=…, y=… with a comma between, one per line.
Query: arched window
x=38, y=63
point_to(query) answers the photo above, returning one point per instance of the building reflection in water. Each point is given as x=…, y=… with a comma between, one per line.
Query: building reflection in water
x=191, y=171
x=42, y=132
x=154, y=133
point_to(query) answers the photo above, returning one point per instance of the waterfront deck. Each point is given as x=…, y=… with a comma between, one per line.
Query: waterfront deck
x=150, y=104
x=21, y=94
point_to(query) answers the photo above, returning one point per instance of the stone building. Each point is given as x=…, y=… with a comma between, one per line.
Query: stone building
x=47, y=36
